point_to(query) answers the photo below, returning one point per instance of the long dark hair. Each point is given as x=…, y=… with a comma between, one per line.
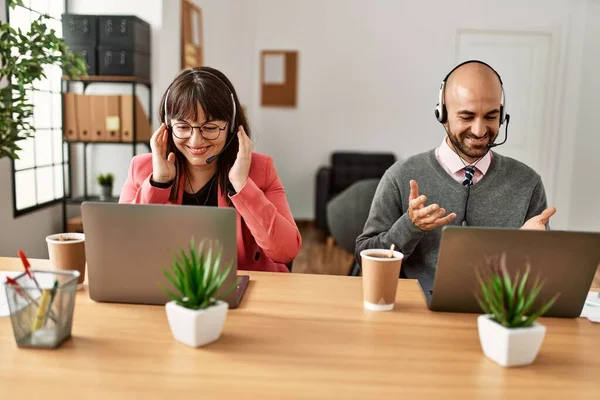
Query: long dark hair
x=210, y=89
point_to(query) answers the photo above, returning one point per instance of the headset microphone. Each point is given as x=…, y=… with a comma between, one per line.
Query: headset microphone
x=214, y=157
x=490, y=145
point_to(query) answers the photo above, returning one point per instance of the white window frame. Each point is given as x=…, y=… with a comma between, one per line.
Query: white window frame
x=39, y=175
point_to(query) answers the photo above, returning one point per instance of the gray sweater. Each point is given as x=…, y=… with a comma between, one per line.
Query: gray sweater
x=508, y=195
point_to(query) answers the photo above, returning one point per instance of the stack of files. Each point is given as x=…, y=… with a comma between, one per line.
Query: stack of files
x=104, y=118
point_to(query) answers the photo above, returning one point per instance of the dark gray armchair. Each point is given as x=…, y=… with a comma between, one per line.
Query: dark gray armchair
x=347, y=213
x=345, y=169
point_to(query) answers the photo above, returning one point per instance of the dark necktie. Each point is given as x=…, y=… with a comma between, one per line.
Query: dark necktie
x=469, y=173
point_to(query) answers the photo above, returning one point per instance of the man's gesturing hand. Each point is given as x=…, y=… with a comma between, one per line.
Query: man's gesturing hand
x=425, y=217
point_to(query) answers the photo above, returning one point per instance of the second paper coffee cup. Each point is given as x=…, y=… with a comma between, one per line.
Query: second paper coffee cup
x=380, y=274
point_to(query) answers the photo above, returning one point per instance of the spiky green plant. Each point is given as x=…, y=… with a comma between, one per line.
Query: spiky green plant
x=105, y=180
x=197, y=276
x=507, y=300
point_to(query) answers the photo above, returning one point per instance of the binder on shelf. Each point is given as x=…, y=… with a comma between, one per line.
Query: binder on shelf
x=70, y=131
x=84, y=121
x=112, y=120
x=105, y=118
x=126, y=105
x=143, y=126
x=97, y=116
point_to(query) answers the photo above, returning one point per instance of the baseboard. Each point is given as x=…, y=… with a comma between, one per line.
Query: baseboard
x=305, y=223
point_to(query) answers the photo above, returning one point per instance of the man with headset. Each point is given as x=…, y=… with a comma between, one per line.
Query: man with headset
x=463, y=181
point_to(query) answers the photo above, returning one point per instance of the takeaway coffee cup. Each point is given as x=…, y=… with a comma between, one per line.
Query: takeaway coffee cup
x=67, y=253
x=380, y=274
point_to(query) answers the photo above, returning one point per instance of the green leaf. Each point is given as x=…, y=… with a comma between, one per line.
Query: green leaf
x=506, y=299
x=541, y=311
x=173, y=281
x=172, y=296
x=14, y=3
x=198, y=274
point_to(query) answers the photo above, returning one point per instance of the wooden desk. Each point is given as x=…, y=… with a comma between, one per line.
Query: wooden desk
x=295, y=336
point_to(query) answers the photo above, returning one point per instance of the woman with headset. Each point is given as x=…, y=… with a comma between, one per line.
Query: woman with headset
x=202, y=155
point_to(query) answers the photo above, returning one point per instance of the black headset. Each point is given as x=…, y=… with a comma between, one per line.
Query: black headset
x=198, y=71
x=441, y=114
x=234, y=113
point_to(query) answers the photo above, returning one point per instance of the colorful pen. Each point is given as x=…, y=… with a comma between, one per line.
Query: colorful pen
x=27, y=296
x=40, y=315
x=52, y=296
x=27, y=266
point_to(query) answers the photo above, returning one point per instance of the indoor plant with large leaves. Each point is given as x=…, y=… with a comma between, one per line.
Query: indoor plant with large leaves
x=23, y=56
x=508, y=332
x=195, y=313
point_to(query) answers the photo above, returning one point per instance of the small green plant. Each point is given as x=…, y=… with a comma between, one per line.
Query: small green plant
x=197, y=276
x=507, y=300
x=105, y=180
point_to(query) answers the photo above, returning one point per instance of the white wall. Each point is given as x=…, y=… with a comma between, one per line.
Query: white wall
x=27, y=232
x=229, y=41
x=585, y=189
x=369, y=73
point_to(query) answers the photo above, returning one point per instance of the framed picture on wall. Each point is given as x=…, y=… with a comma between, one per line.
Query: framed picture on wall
x=192, y=43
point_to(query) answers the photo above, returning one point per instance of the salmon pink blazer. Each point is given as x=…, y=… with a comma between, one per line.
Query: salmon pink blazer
x=267, y=235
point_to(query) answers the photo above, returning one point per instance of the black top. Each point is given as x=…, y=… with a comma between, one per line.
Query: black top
x=206, y=196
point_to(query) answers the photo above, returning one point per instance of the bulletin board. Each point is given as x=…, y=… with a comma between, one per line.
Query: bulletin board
x=192, y=43
x=279, y=78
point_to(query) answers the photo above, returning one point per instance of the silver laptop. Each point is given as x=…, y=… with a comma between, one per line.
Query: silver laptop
x=566, y=260
x=129, y=245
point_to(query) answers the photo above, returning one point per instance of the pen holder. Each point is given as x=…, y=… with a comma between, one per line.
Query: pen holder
x=41, y=309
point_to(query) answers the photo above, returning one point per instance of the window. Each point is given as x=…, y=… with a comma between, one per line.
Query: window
x=38, y=174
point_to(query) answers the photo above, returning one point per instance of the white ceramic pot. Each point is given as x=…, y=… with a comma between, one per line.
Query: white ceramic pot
x=510, y=347
x=196, y=327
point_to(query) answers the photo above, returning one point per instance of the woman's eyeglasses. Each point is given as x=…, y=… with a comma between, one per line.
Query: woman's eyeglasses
x=209, y=131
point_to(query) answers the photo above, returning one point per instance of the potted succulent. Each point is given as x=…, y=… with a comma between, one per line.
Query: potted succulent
x=508, y=332
x=106, y=185
x=196, y=317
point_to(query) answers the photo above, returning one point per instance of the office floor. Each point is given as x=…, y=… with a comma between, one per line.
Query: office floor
x=316, y=257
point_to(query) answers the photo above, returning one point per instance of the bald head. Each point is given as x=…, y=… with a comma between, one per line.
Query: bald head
x=473, y=95
x=473, y=82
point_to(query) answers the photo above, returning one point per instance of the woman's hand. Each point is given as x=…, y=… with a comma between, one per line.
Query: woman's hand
x=238, y=174
x=163, y=166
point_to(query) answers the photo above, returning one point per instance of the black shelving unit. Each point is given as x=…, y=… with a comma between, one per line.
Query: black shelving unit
x=68, y=175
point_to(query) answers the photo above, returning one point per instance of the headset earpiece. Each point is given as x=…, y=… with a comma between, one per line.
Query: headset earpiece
x=234, y=114
x=441, y=114
x=166, y=117
x=440, y=108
